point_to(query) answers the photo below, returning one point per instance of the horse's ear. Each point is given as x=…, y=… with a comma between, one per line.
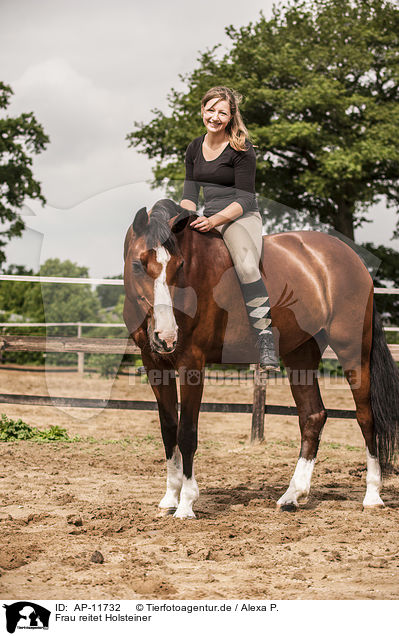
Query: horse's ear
x=140, y=221
x=178, y=223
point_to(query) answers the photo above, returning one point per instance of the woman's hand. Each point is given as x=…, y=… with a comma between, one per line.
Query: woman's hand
x=202, y=224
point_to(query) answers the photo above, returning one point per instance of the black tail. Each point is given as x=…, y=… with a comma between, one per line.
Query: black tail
x=384, y=396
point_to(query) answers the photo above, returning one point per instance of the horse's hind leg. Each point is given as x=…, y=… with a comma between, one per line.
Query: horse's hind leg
x=353, y=349
x=359, y=381
x=356, y=367
x=302, y=366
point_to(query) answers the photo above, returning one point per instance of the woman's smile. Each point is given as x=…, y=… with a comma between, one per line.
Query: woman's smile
x=216, y=115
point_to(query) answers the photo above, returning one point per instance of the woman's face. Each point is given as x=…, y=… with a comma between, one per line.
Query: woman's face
x=216, y=115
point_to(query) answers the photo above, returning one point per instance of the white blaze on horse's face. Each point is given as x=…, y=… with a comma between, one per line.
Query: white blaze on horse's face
x=165, y=326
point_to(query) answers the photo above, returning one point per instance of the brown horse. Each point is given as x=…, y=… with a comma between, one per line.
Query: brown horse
x=184, y=308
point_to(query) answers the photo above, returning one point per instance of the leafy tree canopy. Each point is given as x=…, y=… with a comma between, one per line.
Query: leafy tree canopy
x=109, y=295
x=387, y=276
x=54, y=302
x=20, y=137
x=320, y=81
x=13, y=294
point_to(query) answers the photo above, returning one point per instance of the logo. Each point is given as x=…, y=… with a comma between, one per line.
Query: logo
x=26, y=615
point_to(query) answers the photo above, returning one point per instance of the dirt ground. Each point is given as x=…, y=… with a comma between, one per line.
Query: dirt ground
x=61, y=502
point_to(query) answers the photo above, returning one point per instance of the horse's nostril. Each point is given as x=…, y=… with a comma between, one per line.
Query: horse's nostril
x=166, y=345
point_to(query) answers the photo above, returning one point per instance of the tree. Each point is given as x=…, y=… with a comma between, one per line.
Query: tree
x=16, y=306
x=13, y=294
x=387, y=276
x=62, y=302
x=321, y=86
x=19, y=138
x=109, y=295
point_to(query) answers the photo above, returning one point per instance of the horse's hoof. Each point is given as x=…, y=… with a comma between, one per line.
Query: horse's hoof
x=166, y=512
x=372, y=500
x=184, y=515
x=287, y=507
x=377, y=506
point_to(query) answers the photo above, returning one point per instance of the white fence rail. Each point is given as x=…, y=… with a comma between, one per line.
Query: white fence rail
x=61, y=279
x=116, y=281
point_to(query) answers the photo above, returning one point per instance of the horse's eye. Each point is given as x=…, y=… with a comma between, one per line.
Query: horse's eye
x=137, y=267
x=180, y=266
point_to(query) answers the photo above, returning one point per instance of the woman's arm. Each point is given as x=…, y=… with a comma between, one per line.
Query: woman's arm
x=188, y=205
x=229, y=213
x=244, y=178
x=190, y=188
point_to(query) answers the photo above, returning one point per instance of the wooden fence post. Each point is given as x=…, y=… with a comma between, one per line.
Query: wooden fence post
x=81, y=355
x=258, y=412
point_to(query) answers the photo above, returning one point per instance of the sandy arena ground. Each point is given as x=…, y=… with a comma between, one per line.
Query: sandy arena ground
x=61, y=502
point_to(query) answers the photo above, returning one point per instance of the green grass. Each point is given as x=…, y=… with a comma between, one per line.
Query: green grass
x=280, y=442
x=337, y=446
x=17, y=430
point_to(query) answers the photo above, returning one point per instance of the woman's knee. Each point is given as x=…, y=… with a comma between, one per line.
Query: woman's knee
x=247, y=268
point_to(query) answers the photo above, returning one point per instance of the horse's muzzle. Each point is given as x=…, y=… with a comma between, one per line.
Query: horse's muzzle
x=164, y=343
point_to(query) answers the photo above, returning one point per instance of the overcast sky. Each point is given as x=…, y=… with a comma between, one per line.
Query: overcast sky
x=88, y=69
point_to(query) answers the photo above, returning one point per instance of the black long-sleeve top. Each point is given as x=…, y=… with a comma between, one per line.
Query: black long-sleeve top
x=228, y=178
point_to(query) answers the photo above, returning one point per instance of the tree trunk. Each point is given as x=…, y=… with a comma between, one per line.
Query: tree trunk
x=344, y=219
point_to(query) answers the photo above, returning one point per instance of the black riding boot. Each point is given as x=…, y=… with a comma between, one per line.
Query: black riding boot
x=258, y=309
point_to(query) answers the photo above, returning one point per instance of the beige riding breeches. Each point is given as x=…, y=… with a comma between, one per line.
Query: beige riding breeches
x=243, y=238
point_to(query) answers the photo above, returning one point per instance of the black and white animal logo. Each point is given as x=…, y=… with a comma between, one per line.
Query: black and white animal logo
x=26, y=615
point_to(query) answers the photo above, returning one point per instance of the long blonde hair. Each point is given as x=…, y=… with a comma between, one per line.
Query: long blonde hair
x=236, y=129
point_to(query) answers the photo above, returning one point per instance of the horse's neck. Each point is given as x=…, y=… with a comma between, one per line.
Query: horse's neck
x=206, y=257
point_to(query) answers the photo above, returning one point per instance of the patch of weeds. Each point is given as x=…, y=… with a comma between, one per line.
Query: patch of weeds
x=14, y=429
x=124, y=442
x=56, y=434
x=337, y=446
x=147, y=438
x=89, y=439
x=281, y=442
x=17, y=430
x=333, y=445
x=209, y=444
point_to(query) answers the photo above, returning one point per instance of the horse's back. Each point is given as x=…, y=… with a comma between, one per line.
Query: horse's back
x=313, y=249
x=313, y=279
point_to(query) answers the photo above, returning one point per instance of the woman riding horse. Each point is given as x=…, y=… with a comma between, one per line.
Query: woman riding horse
x=223, y=161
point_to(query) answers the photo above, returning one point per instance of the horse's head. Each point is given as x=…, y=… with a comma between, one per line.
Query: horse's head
x=153, y=264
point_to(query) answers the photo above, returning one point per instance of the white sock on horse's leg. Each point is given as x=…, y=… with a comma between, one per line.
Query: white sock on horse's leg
x=188, y=496
x=298, y=490
x=174, y=480
x=374, y=482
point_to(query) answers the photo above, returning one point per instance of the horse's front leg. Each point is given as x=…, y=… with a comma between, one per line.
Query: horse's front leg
x=174, y=464
x=163, y=383
x=191, y=388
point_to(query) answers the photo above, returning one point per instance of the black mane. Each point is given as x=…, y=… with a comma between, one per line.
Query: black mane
x=158, y=231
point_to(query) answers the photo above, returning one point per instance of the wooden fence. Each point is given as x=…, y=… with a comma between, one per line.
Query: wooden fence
x=81, y=345
x=258, y=408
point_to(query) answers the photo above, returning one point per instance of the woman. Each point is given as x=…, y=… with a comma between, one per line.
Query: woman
x=223, y=161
